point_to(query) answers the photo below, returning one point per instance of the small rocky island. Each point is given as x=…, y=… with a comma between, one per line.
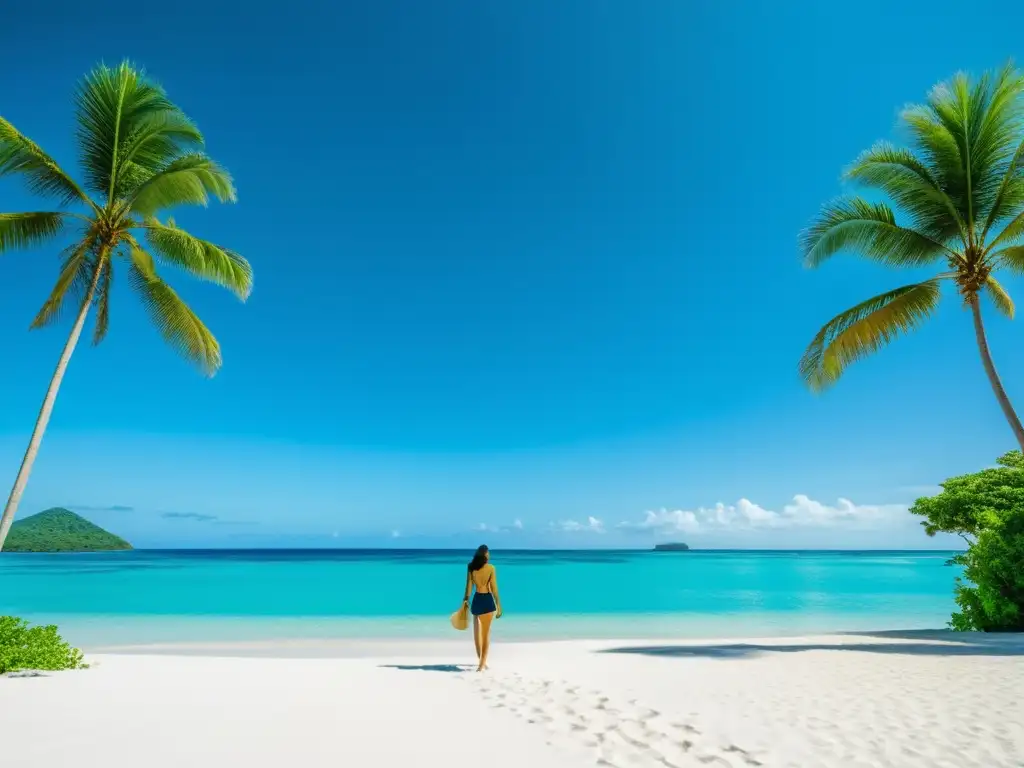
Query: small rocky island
x=60, y=530
x=677, y=546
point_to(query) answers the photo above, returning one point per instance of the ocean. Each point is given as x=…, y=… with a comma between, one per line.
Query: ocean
x=148, y=596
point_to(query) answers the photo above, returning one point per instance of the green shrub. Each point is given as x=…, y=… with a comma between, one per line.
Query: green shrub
x=24, y=647
x=987, y=510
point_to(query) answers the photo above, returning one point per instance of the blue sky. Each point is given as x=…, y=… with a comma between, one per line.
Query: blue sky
x=525, y=273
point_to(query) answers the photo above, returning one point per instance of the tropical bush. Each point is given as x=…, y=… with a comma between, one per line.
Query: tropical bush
x=26, y=647
x=987, y=510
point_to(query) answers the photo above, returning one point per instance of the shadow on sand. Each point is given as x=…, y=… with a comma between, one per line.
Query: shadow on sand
x=913, y=643
x=429, y=667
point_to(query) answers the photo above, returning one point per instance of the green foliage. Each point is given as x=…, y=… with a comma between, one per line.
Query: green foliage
x=60, y=530
x=958, y=195
x=23, y=647
x=141, y=157
x=986, y=509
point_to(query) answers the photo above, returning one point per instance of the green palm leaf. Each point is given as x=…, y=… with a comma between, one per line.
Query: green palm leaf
x=21, y=230
x=996, y=115
x=199, y=257
x=188, y=180
x=180, y=326
x=1011, y=233
x=857, y=332
x=103, y=303
x=912, y=186
x=999, y=297
x=938, y=150
x=966, y=133
x=20, y=156
x=1009, y=199
x=1011, y=259
x=77, y=270
x=871, y=228
x=114, y=106
x=158, y=138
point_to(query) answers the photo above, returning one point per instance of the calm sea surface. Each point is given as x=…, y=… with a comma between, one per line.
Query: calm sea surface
x=166, y=596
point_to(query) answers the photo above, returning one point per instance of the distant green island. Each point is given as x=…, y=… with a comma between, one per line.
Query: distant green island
x=60, y=530
x=677, y=546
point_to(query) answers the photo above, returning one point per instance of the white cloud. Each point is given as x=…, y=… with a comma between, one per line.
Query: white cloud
x=517, y=525
x=590, y=525
x=666, y=520
x=801, y=512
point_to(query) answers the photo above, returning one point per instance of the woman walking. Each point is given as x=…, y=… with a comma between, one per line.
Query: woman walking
x=486, y=605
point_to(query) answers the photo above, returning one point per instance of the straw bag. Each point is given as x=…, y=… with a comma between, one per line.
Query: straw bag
x=460, y=619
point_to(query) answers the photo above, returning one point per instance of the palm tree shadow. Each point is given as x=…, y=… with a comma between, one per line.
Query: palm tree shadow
x=429, y=667
x=924, y=643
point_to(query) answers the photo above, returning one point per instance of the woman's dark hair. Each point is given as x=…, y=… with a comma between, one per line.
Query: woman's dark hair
x=479, y=558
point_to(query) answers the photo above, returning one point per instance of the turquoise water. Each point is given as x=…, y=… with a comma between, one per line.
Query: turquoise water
x=157, y=596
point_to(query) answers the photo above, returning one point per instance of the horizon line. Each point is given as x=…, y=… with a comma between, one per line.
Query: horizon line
x=499, y=549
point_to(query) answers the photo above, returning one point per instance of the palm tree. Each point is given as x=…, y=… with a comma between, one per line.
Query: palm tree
x=960, y=190
x=140, y=156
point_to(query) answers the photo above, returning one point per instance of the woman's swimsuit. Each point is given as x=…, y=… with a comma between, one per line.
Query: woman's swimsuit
x=483, y=602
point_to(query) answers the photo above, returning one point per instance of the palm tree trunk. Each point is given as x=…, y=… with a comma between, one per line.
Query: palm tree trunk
x=990, y=369
x=44, y=412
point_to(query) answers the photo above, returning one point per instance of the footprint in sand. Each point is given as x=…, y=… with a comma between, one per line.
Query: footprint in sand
x=618, y=736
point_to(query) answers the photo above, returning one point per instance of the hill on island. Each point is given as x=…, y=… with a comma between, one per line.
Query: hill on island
x=60, y=530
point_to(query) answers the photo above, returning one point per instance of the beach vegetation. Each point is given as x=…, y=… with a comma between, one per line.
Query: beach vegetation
x=953, y=204
x=986, y=509
x=140, y=157
x=26, y=647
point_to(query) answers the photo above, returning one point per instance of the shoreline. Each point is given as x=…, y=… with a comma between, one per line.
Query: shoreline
x=885, y=699
x=461, y=643
x=103, y=631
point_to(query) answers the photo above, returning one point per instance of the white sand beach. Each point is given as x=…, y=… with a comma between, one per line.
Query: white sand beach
x=906, y=700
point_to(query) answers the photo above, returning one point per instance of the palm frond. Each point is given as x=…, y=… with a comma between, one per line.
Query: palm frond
x=857, y=332
x=871, y=229
x=999, y=297
x=114, y=106
x=949, y=103
x=156, y=140
x=967, y=132
x=1009, y=198
x=1011, y=259
x=178, y=324
x=103, y=303
x=910, y=184
x=996, y=109
x=1011, y=233
x=940, y=151
x=21, y=230
x=76, y=273
x=199, y=257
x=19, y=155
x=188, y=180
